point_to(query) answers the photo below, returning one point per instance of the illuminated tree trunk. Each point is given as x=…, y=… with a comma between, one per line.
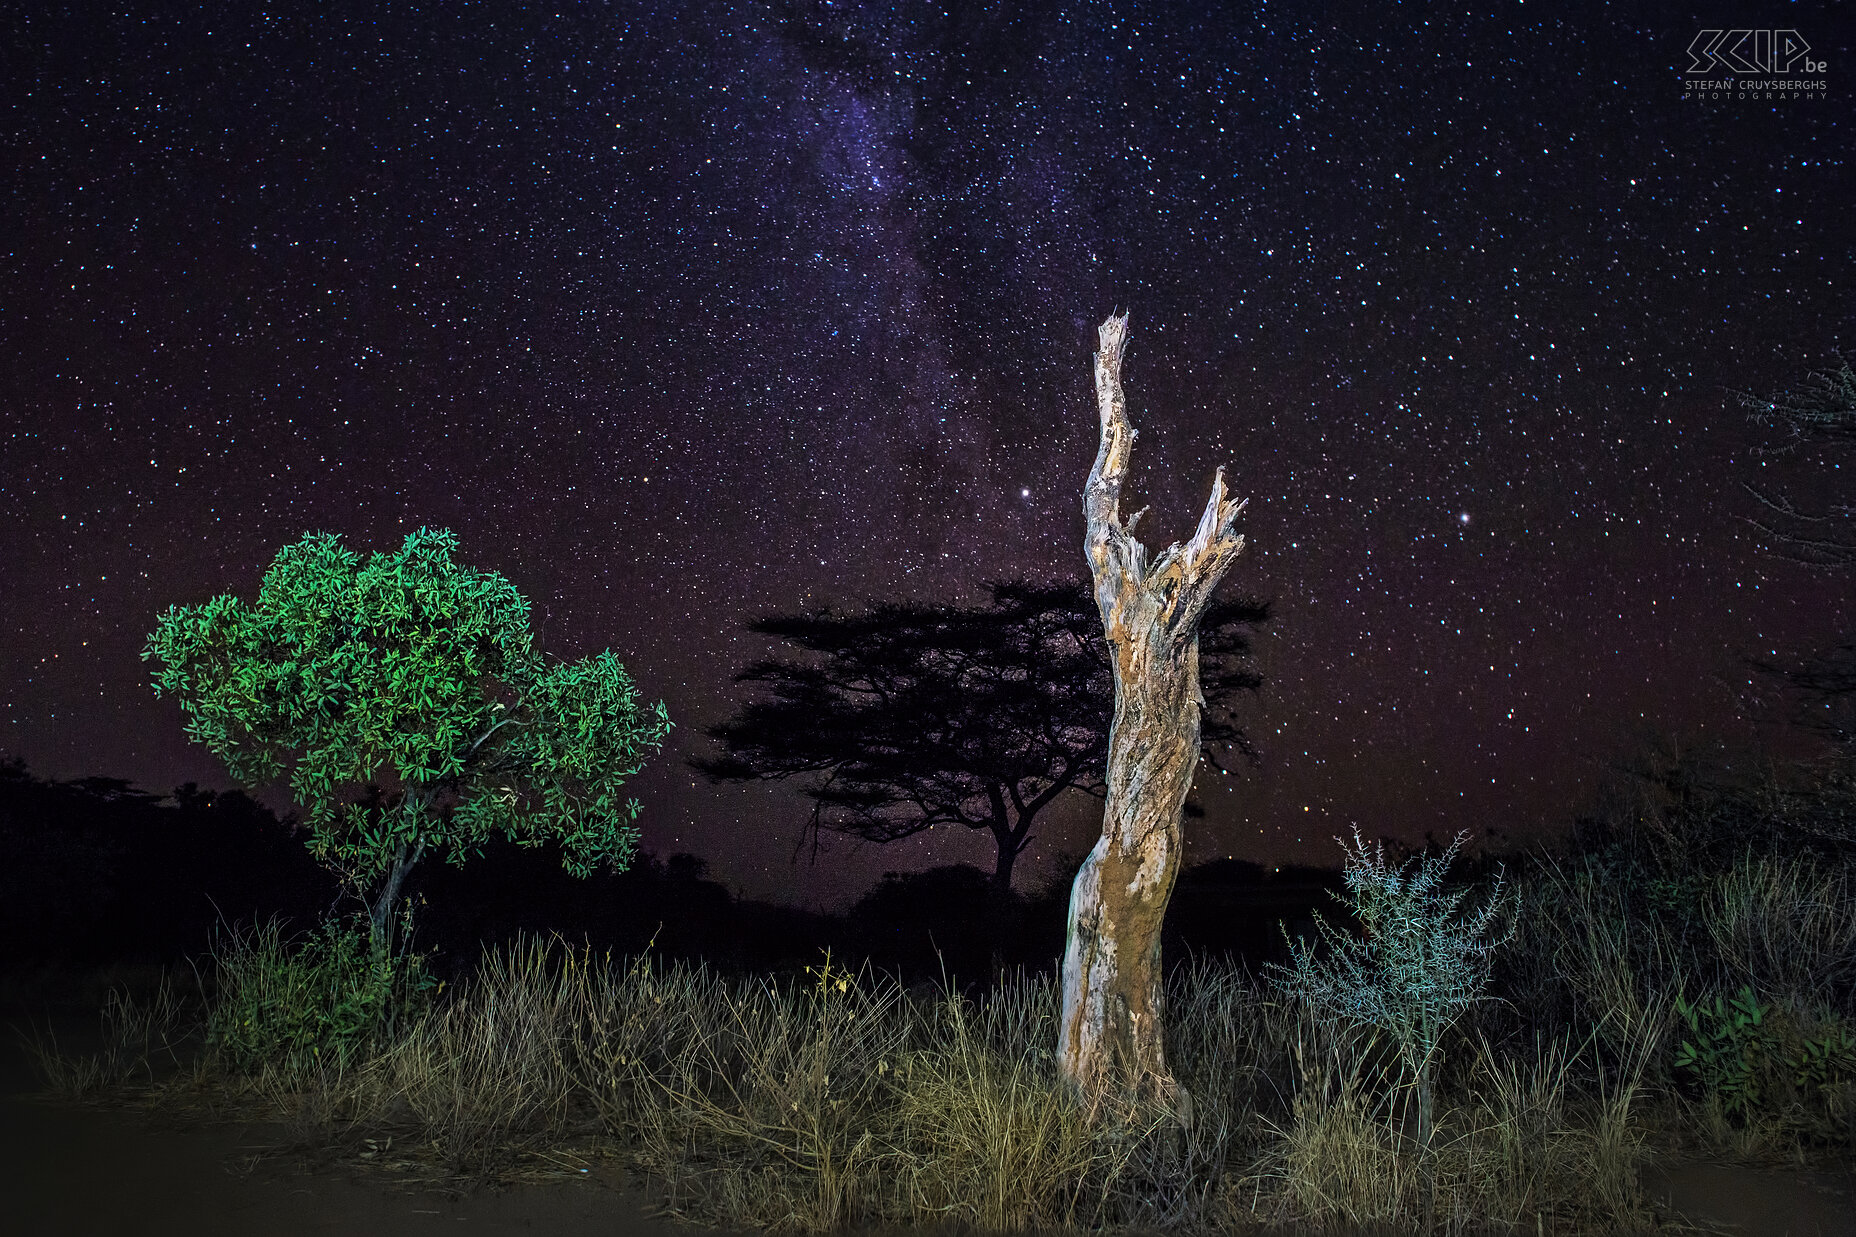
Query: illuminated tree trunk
x=380, y=908
x=1112, y=1037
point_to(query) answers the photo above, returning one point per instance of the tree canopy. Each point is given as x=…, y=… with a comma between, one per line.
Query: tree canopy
x=908, y=717
x=406, y=700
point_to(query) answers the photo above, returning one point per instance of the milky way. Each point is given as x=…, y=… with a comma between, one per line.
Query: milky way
x=681, y=316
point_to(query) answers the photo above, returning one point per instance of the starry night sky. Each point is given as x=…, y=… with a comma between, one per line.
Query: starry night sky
x=681, y=314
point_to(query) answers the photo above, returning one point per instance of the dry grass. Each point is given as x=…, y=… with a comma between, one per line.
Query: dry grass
x=834, y=1099
x=1785, y=926
x=1525, y=1143
x=142, y=1041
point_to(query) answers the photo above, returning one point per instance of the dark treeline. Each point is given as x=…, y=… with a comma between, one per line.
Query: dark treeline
x=95, y=872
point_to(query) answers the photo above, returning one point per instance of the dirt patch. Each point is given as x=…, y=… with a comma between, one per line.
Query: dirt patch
x=1766, y=1202
x=81, y=1171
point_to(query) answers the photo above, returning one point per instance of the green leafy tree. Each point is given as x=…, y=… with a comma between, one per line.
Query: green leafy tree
x=407, y=702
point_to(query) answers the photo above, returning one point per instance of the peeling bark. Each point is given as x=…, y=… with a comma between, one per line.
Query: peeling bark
x=1112, y=1036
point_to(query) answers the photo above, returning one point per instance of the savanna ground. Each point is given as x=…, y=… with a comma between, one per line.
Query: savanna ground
x=1666, y=1039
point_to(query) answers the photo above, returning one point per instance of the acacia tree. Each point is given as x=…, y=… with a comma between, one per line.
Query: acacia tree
x=1821, y=413
x=407, y=700
x=1818, y=414
x=1422, y=961
x=908, y=718
x=1111, y=1040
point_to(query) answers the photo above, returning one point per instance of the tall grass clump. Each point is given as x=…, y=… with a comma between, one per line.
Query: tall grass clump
x=494, y=1071
x=347, y=1043
x=1786, y=925
x=295, y=1008
x=141, y=1039
x=838, y=1099
x=1702, y=926
x=765, y=1112
x=1528, y=1136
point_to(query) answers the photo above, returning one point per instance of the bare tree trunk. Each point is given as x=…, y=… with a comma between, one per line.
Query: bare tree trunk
x=1112, y=1038
x=1003, y=863
x=1009, y=835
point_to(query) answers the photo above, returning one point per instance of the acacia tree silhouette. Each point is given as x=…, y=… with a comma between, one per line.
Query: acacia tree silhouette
x=1818, y=414
x=908, y=717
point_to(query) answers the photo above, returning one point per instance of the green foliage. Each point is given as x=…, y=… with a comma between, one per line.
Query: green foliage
x=1738, y=1054
x=412, y=671
x=298, y=1008
x=1821, y=1065
x=1727, y=1044
x=1422, y=960
x=1681, y=896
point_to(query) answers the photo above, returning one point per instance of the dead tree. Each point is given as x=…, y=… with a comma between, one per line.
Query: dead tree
x=1111, y=1043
